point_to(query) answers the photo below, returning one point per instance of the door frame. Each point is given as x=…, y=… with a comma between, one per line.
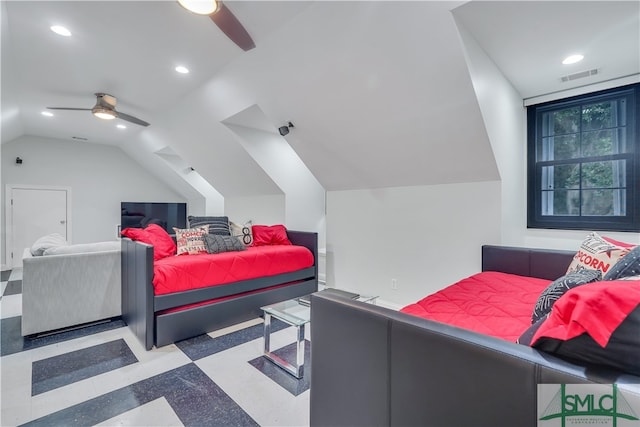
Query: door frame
x=8, y=215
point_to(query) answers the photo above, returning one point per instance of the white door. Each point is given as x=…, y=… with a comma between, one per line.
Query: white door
x=35, y=212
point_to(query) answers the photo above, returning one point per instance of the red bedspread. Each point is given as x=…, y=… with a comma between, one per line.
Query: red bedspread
x=491, y=303
x=185, y=272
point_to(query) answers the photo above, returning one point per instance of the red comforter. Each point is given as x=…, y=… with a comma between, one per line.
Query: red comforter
x=185, y=272
x=491, y=303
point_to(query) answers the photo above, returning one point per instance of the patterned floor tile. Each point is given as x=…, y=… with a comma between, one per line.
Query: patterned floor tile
x=4, y=275
x=193, y=396
x=287, y=381
x=260, y=396
x=102, y=375
x=12, y=341
x=11, y=306
x=14, y=287
x=58, y=371
x=16, y=274
x=157, y=413
x=203, y=345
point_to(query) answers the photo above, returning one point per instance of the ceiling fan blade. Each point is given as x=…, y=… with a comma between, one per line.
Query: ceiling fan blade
x=229, y=24
x=69, y=108
x=131, y=119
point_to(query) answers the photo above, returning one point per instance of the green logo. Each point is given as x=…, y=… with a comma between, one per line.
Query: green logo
x=588, y=406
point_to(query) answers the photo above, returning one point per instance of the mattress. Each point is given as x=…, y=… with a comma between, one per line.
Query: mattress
x=186, y=272
x=491, y=303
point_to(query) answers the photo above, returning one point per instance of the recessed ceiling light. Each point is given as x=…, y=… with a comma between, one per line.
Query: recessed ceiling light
x=121, y=126
x=573, y=59
x=201, y=7
x=59, y=29
x=182, y=69
x=47, y=113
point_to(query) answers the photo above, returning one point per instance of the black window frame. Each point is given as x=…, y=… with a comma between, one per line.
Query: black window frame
x=629, y=222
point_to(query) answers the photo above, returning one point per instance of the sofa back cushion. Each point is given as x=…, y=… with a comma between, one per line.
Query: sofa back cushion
x=82, y=248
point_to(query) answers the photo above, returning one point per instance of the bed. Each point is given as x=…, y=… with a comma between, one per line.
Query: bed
x=491, y=303
x=374, y=366
x=179, y=297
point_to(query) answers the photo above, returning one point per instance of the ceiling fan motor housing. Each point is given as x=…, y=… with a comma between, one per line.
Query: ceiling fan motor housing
x=106, y=100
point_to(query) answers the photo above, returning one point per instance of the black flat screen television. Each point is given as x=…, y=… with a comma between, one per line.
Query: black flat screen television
x=141, y=214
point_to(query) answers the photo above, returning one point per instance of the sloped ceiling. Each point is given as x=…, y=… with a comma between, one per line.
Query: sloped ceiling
x=541, y=34
x=378, y=91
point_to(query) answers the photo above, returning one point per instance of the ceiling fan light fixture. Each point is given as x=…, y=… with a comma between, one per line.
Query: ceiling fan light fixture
x=200, y=7
x=104, y=113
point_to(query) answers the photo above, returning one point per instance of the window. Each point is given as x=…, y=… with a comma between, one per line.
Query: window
x=584, y=162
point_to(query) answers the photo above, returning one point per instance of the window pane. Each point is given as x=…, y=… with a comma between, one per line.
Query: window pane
x=604, y=174
x=561, y=202
x=599, y=116
x=560, y=147
x=603, y=203
x=561, y=121
x=600, y=143
x=560, y=177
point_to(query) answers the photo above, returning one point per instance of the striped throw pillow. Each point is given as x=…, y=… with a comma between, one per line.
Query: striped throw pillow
x=217, y=224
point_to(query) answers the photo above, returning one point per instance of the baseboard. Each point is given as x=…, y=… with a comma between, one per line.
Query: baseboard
x=3, y=267
x=388, y=304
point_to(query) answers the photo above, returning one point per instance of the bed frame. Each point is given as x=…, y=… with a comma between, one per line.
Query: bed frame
x=142, y=310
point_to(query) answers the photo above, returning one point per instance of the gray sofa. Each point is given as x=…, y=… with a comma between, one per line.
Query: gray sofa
x=79, y=285
x=373, y=366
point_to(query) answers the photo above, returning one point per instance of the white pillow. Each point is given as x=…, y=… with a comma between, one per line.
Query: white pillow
x=597, y=253
x=46, y=242
x=242, y=232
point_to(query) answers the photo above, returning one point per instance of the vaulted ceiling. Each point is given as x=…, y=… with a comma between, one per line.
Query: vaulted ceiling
x=379, y=92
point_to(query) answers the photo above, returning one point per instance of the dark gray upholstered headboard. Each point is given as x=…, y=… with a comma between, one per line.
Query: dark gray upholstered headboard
x=543, y=263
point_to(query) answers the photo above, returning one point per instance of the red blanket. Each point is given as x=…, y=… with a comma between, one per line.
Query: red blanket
x=597, y=309
x=185, y=272
x=491, y=303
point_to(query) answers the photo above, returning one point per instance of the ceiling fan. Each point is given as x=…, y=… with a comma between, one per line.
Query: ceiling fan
x=105, y=108
x=223, y=18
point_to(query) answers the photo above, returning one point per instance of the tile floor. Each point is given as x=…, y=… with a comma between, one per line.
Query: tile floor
x=101, y=375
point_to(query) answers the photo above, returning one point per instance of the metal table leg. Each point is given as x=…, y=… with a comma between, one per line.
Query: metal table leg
x=297, y=369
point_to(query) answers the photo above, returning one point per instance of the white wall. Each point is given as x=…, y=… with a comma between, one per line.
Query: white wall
x=100, y=177
x=265, y=210
x=505, y=120
x=304, y=196
x=425, y=237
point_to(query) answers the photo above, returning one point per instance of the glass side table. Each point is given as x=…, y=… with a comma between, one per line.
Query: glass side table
x=295, y=312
